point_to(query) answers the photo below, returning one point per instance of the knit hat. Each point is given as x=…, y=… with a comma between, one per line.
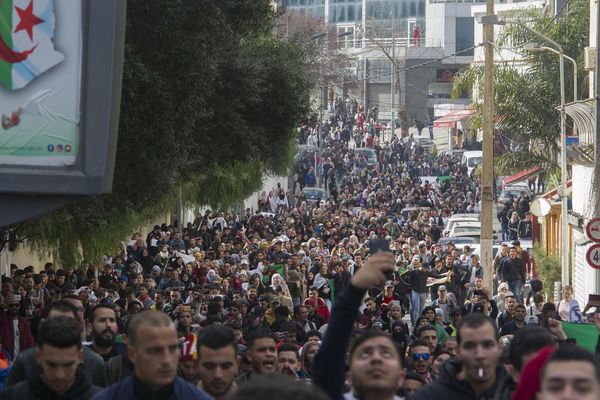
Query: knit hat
x=530, y=381
x=189, y=348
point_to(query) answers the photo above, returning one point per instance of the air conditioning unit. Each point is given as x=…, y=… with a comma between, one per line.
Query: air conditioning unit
x=589, y=59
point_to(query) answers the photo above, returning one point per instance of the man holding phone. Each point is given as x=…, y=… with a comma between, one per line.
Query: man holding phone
x=375, y=363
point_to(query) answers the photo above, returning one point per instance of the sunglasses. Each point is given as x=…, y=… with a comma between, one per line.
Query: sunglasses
x=418, y=356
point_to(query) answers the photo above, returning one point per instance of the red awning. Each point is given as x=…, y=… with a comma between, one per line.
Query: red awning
x=521, y=176
x=552, y=195
x=449, y=121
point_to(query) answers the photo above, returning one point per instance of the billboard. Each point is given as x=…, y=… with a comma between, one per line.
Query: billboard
x=60, y=84
x=40, y=64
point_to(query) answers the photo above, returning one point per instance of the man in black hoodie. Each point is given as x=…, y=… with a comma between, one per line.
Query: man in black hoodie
x=59, y=376
x=475, y=374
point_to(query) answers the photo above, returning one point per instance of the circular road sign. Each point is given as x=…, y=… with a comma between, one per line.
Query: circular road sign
x=593, y=256
x=593, y=230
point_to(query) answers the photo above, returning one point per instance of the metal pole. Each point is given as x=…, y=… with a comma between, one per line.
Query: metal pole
x=563, y=178
x=393, y=82
x=487, y=164
x=563, y=162
x=321, y=94
x=575, y=78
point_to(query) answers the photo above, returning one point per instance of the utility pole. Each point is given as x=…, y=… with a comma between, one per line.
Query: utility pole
x=597, y=137
x=596, y=188
x=487, y=162
x=393, y=81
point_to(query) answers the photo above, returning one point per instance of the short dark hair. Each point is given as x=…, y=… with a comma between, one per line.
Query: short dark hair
x=417, y=343
x=372, y=334
x=475, y=320
x=101, y=305
x=297, y=308
x=259, y=334
x=60, y=332
x=282, y=311
x=520, y=306
x=217, y=337
x=572, y=353
x=424, y=328
x=61, y=306
x=527, y=340
x=314, y=333
x=289, y=347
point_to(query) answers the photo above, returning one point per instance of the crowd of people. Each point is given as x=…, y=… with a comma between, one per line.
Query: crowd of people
x=297, y=290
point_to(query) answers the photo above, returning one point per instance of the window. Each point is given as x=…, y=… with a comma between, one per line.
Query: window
x=465, y=36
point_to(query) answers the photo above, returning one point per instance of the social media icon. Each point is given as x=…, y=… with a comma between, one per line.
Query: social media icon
x=59, y=147
x=50, y=147
x=68, y=148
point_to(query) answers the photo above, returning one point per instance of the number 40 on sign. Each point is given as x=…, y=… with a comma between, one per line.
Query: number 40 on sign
x=593, y=256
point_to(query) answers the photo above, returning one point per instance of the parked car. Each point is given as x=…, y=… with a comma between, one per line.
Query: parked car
x=369, y=154
x=304, y=149
x=453, y=153
x=472, y=159
x=456, y=220
x=514, y=190
x=464, y=227
x=424, y=141
x=314, y=194
x=459, y=241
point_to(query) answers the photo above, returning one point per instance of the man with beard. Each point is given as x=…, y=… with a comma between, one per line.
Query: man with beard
x=218, y=354
x=262, y=353
x=14, y=330
x=58, y=375
x=25, y=364
x=104, y=331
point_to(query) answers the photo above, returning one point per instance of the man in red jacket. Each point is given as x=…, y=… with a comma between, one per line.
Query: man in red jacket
x=15, y=330
x=317, y=303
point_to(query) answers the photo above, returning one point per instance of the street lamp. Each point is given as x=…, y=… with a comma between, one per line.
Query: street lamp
x=493, y=19
x=534, y=47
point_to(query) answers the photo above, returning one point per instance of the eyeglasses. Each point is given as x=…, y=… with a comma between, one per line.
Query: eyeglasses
x=418, y=356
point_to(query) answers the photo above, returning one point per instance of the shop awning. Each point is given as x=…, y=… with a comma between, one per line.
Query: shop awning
x=450, y=120
x=521, y=176
x=552, y=195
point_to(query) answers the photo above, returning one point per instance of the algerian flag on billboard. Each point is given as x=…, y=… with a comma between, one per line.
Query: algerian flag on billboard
x=26, y=48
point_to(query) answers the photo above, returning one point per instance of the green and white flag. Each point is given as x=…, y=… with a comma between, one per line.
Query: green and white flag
x=26, y=48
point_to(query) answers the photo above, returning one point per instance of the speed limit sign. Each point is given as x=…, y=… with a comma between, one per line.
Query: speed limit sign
x=593, y=256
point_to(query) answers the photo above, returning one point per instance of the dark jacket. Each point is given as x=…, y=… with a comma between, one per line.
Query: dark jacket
x=329, y=367
x=124, y=390
x=512, y=270
x=117, y=368
x=26, y=362
x=505, y=389
x=448, y=387
x=35, y=388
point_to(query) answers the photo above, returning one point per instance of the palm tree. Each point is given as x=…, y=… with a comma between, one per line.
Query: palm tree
x=527, y=91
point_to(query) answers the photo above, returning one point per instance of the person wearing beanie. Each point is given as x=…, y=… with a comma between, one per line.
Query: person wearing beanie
x=188, y=367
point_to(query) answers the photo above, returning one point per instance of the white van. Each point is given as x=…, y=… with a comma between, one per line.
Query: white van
x=472, y=159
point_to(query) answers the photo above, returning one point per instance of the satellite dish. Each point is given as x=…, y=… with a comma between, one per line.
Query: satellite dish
x=540, y=207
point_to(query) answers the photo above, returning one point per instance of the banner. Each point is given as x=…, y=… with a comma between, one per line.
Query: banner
x=586, y=335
